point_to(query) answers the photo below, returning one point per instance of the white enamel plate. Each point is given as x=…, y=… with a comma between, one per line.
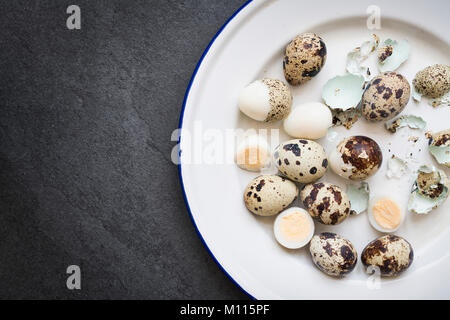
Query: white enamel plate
x=250, y=46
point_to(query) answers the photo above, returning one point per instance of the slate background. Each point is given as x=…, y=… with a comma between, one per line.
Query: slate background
x=85, y=171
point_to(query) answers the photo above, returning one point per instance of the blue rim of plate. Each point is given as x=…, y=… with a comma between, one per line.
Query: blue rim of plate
x=180, y=125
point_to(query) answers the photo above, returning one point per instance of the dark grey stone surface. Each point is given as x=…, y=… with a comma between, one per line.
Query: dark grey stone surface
x=85, y=171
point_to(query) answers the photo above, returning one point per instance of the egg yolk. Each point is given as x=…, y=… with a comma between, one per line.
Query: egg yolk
x=387, y=213
x=295, y=226
x=252, y=158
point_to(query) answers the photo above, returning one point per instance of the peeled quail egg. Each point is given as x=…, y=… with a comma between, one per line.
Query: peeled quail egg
x=385, y=97
x=268, y=195
x=333, y=254
x=386, y=212
x=253, y=153
x=391, y=254
x=304, y=57
x=309, y=121
x=326, y=202
x=301, y=160
x=293, y=228
x=356, y=158
x=433, y=81
x=266, y=100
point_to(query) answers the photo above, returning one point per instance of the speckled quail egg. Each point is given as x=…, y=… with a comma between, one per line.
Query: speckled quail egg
x=293, y=228
x=301, y=160
x=253, y=153
x=356, y=158
x=266, y=100
x=304, y=57
x=391, y=254
x=385, y=96
x=439, y=146
x=309, y=121
x=433, y=81
x=333, y=254
x=386, y=212
x=268, y=195
x=326, y=202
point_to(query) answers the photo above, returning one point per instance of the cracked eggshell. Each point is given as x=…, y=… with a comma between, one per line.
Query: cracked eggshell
x=359, y=197
x=429, y=191
x=304, y=57
x=439, y=147
x=301, y=160
x=309, y=121
x=268, y=195
x=333, y=254
x=326, y=202
x=392, y=54
x=343, y=92
x=266, y=100
x=433, y=81
x=391, y=254
x=356, y=158
x=414, y=122
x=385, y=97
x=359, y=54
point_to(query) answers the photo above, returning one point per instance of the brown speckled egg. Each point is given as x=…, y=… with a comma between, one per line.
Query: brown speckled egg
x=301, y=160
x=326, y=202
x=433, y=81
x=356, y=158
x=385, y=97
x=391, y=254
x=304, y=57
x=333, y=254
x=268, y=195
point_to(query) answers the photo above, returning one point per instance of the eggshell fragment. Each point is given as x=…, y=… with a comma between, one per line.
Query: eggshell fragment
x=392, y=54
x=343, y=92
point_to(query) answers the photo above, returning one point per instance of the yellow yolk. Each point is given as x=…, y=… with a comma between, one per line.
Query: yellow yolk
x=252, y=158
x=295, y=226
x=387, y=213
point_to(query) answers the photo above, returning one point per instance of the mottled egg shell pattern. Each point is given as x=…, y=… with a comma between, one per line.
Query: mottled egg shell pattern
x=385, y=97
x=356, y=158
x=304, y=57
x=441, y=139
x=268, y=195
x=433, y=81
x=392, y=254
x=326, y=202
x=280, y=99
x=333, y=254
x=303, y=161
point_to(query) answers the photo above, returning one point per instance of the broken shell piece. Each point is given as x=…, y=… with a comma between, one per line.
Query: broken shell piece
x=414, y=122
x=429, y=191
x=345, y=118
x=444, y=100
x=359, y=54
x=417, y=96
x=439, y=147
x=396, y=167
x=359, y=197
x=392, y=54
x=343, y=92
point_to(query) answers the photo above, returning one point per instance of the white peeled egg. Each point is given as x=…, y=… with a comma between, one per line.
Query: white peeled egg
x=386, y=213
x=309, y=121
x=293, y=228
x=253, y=153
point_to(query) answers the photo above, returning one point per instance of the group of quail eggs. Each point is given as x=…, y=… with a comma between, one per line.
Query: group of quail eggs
x=304, y=161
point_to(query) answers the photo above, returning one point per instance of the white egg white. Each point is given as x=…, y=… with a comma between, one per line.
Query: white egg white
x=254, y=101
x=254, y=142
x=283, y=239
x=309, y=121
